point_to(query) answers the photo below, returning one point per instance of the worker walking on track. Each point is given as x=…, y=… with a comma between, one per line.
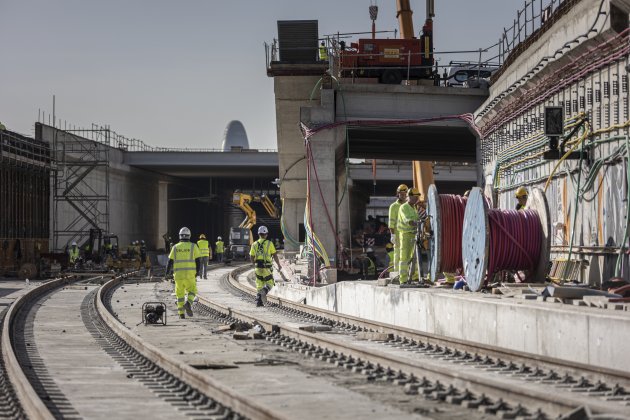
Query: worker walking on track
x=521, y=197
x=407, y=226
x=401, y=194
x=261, y=254
x=185, y=259
x=204, y=249
x=219, y=248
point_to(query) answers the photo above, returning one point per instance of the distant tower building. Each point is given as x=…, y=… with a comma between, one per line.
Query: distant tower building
x=234, y=136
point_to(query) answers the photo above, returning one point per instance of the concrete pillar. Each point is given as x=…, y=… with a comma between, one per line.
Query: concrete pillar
x=162, y=222
x=343, y=211
x=323, y=190
x=292, y=92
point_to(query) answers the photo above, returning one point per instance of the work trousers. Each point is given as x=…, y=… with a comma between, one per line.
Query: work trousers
x=183, y=288
x=220, y=256
x=407, y=254
x=204, y=267
x=396, y=261
x=264, y=277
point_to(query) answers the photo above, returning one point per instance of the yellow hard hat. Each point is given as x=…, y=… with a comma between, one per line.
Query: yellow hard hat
x=521, y=192
x=202, y=236
x=402, y=188
x=414, y=192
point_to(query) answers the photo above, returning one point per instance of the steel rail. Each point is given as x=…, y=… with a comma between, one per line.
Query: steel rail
x=525, y=394
x=205, y=384
x=594, y=373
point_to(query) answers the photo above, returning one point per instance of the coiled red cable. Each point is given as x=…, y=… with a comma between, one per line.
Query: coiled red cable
x=515, y=239
x=452, y=209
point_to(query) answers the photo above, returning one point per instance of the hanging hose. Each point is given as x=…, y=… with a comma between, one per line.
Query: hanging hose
x=285, y=232
x=452, y=208
x=627, y=230
x=515, y=240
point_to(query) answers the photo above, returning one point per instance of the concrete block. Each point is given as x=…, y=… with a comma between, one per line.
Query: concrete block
x=382, y=282
x=329, y=276
x=241, y=336
x=375, y=336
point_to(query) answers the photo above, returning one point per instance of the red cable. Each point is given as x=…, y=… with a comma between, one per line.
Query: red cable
x=515, y=239
x=452, y=209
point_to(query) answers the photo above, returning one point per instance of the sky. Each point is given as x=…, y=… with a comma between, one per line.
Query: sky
x=175, y=73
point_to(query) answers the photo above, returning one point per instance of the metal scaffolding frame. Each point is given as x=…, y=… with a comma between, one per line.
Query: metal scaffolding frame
x=81, y=184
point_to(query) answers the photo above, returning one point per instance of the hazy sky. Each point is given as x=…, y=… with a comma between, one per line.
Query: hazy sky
x=174, y=73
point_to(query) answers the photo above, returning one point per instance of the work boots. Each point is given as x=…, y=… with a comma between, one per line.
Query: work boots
x=263, y=294
x=182, y=316
x=188, y=308
x=259, y=301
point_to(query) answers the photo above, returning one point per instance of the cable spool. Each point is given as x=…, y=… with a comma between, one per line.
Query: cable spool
x=495, y=240
x=446, y=215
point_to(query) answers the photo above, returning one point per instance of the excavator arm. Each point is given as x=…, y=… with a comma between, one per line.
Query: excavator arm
x=242, y=201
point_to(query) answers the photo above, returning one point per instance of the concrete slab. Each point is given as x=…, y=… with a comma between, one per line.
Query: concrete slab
x=575, y=333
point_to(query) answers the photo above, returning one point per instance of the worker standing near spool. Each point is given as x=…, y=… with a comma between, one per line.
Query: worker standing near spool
x=185, y=260
x=389, y=249
x=204, y=249
x=261, y=254
x=401, y=197
x=219, y=248
x=521, y=197
x=407, y=226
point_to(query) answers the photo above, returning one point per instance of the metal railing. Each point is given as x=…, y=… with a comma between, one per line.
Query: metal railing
x=105, y=135
x=529, y=19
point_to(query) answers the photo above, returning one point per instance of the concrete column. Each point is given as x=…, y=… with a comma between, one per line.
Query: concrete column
x=162, y=222
x=343, y=211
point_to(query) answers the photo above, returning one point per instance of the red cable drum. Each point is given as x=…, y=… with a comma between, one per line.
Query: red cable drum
x=495, y=240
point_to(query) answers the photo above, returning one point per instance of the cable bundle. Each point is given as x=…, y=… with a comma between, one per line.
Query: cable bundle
x=452, y=208
x=515, y=240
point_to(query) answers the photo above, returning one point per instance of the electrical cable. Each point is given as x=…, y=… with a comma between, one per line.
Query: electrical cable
x=627, y=230
x=452, y=209
x=515, y=240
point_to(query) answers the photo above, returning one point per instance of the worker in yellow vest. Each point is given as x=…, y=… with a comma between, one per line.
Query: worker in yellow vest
x=521, y=198
x=261, y=254
x=323, y=52
x=407, y=226
x=202, y=243
x=185, y=260
x=401, y=197
x=73, y=253
x=389, y=249
x=219, y=248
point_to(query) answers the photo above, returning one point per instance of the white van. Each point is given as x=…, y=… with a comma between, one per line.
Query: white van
x=469, y=74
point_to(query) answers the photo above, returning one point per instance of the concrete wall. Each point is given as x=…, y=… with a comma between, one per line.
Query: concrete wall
x=512, y=120
x=578, y=334
x=136, y=207
x=292, y=92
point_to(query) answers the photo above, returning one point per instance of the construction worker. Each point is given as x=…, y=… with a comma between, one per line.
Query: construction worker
x=261, y=254
x=2, y=127
x=407, y=227
x=389, y=249
x=185, y=260
x=143, y=251
x=219, y=248
x=368, y=264
x=73, y=253
x=205, y=254
x=401, y=197
x=323, y=52
x=521, y=197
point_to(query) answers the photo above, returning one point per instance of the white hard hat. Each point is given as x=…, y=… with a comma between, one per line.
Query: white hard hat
x=369, y=250
x=263, y=230
x=74, y=243
x=184, y=233
x=218, y=238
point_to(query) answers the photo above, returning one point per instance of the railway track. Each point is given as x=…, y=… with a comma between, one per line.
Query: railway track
x=36, y=382
x=497, y=381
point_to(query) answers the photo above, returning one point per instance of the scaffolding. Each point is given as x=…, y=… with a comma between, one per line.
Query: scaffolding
x=24, y=199
x=80, y=185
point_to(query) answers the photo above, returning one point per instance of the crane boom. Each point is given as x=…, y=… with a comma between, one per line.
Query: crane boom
x=405, y=22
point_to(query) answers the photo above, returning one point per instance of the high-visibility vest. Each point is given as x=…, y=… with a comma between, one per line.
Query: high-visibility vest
x=203, y=248
x=393, y=214
x=262, y=250
x=184, y=255
x=323, y=53
x=406, y=214
x=219, y=246
x=371, y=271
x=74, y=254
